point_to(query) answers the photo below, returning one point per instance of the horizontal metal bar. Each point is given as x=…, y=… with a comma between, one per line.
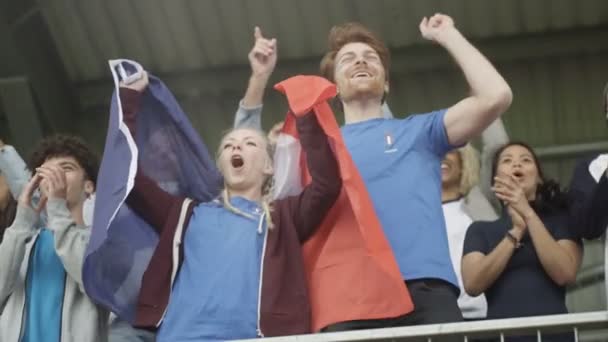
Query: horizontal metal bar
x=589, y=276
x=571, y=149
x=13, y=80
x=548, y=324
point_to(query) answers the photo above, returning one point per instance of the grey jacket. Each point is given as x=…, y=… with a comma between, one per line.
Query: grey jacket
x=82, y=320
x=14, y=169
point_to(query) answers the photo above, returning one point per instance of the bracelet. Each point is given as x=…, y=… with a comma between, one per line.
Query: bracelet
x=513, y=239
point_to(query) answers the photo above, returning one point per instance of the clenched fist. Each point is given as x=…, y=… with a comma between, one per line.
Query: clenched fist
x=435, y=27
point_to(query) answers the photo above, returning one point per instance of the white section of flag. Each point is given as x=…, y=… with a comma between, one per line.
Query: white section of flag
x=288, y=175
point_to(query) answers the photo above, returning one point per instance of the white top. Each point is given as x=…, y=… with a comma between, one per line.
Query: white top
x=457, y=222
x=598, y=166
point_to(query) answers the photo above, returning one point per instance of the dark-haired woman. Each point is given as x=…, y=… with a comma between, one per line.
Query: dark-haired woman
x=524, y=260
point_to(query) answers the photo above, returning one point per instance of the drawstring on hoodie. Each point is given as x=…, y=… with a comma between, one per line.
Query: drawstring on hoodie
x=261, y=223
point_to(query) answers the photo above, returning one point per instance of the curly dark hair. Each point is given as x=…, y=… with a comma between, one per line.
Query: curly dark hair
x=62, y=145
x=549, y=195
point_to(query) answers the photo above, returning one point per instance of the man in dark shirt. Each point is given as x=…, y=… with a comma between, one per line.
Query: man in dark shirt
x=589, y=195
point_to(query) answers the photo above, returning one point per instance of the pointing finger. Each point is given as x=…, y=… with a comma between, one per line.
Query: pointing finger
x=257, y=33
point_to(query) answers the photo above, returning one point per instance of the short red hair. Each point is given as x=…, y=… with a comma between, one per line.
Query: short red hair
x=341, y=35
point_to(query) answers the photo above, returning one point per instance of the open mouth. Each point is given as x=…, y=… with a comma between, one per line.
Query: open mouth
x=361, y=74
x=445, y=166
x=518, y=175
x=237, y=161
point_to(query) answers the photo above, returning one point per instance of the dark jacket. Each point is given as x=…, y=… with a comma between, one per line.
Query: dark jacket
x=588, y=199
x=285, y=306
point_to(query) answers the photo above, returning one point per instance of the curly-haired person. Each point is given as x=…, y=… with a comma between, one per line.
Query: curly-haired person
x=41, y=292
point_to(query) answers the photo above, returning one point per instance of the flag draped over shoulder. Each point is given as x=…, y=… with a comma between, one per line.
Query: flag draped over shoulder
x=171, y=152
x=351, y=270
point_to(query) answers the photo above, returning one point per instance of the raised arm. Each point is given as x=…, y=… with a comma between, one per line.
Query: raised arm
x=262, y=59
x=71, y=236
x=490, y=93
x=147, y=199
x=13, y=245
x=317, y=198
x=14, y=169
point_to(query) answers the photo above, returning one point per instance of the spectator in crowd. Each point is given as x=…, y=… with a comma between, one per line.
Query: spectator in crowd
x=400, y=160
x=459, y=173
x=589, y=195
x=260, y=290
x=17, y=175
x=466, y=198
x=524, y=260
x=41, y=292
x=263, y=59
x=7, y=206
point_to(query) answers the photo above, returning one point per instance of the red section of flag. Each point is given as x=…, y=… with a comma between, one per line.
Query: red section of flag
x=351, y=270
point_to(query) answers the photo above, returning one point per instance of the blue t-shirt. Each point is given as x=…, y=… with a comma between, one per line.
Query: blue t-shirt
x=400, y=162
x=215, y=295
x=45, y=286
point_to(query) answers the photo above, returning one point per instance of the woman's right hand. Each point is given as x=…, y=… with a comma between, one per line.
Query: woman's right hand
x=519, y=224
x=140, y=85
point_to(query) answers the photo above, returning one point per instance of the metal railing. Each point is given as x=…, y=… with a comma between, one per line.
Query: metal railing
x=558, y=151
x=495, y=329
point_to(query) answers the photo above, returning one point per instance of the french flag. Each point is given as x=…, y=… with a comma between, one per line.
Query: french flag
x=351, y=270
x=170, y=150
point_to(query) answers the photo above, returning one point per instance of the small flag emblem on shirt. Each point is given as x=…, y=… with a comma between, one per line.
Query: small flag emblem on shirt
x=389, y=141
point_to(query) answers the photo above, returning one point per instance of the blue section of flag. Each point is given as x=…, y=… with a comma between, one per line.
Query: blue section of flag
x=171, y=152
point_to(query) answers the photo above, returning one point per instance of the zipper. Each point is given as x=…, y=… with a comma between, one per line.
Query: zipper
x=65, y=284
x=259, y=328
x=177, y=241
x=29, y=258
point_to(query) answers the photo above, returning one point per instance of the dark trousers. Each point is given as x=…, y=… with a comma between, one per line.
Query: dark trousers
x=435, y=301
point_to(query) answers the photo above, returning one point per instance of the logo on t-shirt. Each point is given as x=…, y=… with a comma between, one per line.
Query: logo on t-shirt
x=389, y=142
